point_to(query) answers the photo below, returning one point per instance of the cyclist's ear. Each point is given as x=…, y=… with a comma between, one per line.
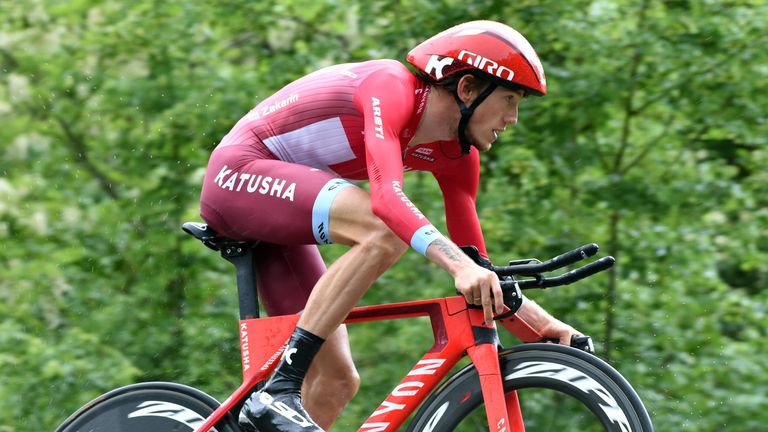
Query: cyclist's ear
x=470, y=85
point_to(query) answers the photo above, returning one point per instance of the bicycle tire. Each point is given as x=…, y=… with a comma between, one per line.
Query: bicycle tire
x=152, y=406
x=566, y=375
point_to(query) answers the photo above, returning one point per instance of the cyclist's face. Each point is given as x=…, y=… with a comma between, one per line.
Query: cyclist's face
x=492, y=117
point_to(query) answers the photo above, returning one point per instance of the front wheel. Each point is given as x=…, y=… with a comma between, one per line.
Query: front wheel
x=147, y=407
x=559, y=389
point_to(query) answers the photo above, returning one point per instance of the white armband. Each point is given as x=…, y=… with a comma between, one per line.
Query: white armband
x=423, y=237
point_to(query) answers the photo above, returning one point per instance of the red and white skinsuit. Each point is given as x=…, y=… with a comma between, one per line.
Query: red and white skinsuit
x=274, y=175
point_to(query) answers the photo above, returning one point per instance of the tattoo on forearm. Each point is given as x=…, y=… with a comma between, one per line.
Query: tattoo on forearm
x=450, y=251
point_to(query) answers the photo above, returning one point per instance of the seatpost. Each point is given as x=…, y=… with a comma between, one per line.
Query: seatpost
x=241, y=256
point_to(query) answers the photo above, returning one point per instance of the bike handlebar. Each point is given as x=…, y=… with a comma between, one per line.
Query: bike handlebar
x=532, y=267
x=570, y=277
x=512, y=287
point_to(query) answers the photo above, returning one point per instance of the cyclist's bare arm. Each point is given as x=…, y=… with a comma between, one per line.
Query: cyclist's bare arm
x=544, y=323
x=476, y=284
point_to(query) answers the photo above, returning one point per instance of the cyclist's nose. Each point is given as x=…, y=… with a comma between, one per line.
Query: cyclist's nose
x=511, y=117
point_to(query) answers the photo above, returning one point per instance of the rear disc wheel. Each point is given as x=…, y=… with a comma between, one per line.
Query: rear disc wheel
x=147, y=407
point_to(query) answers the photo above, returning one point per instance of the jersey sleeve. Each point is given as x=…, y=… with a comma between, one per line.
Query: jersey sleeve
x=386, y=100
x=459, y=187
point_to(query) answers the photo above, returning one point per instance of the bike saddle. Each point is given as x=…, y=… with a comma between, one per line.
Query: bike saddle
x=210, y=238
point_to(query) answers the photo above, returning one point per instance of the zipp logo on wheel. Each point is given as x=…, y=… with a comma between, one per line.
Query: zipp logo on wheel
x=578, y=380
x=170, y=411
x=284, y=410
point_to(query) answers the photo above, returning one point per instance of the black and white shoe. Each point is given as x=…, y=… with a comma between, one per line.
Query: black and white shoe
x=277, y=412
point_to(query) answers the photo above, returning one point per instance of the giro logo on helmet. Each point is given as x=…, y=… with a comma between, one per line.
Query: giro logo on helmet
x=487, y=65
x=437, y=63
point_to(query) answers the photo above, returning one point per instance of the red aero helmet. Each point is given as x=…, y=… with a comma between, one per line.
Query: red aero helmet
x=488, y=46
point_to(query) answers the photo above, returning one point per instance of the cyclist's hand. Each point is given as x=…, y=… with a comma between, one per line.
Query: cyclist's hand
x=481, y=287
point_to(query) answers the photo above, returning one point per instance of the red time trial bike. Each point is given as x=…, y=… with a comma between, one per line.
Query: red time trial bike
x=532, y=386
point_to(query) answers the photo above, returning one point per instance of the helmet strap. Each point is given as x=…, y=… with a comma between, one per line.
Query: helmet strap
x=466, y=113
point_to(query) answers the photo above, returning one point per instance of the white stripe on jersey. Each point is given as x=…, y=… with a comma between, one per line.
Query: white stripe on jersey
x=317, y=145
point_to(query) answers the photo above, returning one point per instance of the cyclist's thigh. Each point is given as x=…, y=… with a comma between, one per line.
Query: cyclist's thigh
x=247, y=197
x=286, y=276
x=352, y=219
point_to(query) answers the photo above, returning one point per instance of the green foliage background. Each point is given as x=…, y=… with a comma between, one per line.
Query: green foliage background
x=652, y=143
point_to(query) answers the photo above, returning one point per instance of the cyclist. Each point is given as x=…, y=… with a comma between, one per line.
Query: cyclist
x=280, y=176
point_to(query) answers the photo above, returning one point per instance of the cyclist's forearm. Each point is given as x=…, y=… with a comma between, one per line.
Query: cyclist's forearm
x=545, y=324
x=447, y=255
x=534, y=315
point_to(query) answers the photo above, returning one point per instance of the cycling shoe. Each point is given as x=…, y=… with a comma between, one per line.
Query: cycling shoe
x=278, y=412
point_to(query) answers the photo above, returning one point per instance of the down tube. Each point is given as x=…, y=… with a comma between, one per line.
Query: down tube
x=411, y=391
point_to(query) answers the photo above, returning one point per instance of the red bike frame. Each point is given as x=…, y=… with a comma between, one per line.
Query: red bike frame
x=457, y=329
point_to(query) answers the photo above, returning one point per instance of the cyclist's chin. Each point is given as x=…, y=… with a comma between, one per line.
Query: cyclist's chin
x=482, y=146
